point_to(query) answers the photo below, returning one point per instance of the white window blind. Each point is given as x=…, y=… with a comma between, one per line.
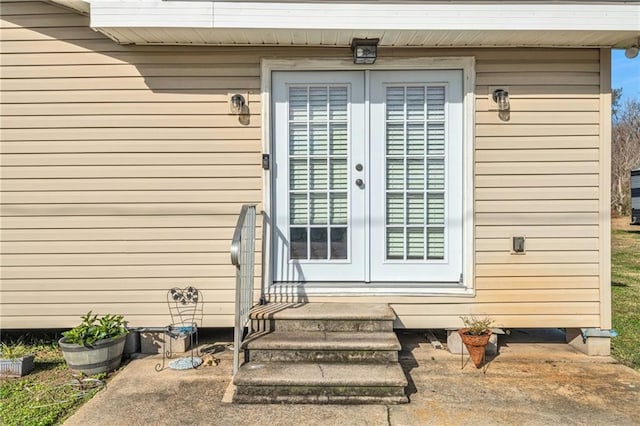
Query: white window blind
x=415, y=172
x=318, y=172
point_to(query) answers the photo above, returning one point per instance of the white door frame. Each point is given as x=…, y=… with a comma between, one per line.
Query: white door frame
x=467, y=65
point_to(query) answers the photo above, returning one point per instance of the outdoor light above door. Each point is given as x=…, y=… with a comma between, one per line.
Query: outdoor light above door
x=365, y=50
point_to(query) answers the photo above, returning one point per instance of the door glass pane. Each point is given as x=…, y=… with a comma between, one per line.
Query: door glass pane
x=297, y=139
x=298, y=239
x=435, y=138
x=415, y=209
x=298, y=176
x=395, y=139
x=415, y=103
x=435, y=103
x=395, y=175
x=298, y=103
x=395, y=209
x=338, y=211
x=319, y=209
x=415, y=243
x=318, y=171
x=395, y=243
x=318, y=139
x=435, y=207
x=395, y=103
x=415, y=172
x=298, y=209
x=318, y=103
x=338, y=243
x=435, y=243
x=338, y=175
x=415, y=138
x=318, y=243
x=338, y=101
x=338, y=138
x=435, y=174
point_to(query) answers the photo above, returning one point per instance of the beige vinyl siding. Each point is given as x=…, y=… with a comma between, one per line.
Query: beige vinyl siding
x=536, y=175
x=123, y=174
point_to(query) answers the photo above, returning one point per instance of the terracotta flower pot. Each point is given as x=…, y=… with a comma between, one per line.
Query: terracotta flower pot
x=476, y=345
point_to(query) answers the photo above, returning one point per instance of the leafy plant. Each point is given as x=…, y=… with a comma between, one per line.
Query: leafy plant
x=94, y=328
x=477, y=326
x=13, y=351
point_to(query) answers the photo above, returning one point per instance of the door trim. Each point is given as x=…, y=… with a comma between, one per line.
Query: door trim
x=464, y=63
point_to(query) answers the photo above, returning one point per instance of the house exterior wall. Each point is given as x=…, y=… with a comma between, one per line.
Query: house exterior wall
x=123, y=175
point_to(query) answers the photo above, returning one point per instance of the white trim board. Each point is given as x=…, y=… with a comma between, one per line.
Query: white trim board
x=374, y=289
x=604, y=189
x=397, y=23
x=382, y=16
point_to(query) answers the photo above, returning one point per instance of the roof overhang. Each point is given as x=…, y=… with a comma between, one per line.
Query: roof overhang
x=395, y=23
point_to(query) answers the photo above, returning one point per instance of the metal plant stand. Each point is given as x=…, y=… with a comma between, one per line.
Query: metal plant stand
x=185, y=307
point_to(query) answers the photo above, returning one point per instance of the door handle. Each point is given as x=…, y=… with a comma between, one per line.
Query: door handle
x=359, y=182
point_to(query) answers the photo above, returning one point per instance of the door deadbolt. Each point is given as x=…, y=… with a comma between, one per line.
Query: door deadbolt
x=359, y=167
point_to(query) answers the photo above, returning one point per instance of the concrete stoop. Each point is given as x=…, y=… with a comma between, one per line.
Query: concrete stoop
x=322, y=354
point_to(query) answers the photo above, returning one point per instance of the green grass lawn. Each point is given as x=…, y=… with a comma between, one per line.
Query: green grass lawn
x=625, y=288
x=46, y=396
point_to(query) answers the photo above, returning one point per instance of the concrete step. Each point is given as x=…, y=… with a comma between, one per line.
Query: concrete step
x=320, y=399
x=274, y=382
x=320, y=346
x=338, y=317
x=318, y=353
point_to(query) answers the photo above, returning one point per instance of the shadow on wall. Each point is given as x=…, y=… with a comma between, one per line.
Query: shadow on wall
x=146, y=132
x=197, y=72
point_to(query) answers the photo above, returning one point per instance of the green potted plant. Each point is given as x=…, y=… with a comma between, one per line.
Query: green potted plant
x=475, y=335
x=96, y=344
x=15, y=359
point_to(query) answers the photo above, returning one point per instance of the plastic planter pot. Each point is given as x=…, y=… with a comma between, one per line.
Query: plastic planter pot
x=100, y=357
x=16, y=367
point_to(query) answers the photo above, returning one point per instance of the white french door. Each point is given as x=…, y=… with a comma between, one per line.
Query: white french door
x=367, y=176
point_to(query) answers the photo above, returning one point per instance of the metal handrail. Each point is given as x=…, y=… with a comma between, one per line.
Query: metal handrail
x=237, y=235
x=242, y=256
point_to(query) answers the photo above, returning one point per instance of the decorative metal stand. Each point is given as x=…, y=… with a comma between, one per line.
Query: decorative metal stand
x=185, y=305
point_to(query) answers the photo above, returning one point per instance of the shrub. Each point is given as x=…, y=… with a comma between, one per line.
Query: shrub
x=93, y=328
x=476, y=325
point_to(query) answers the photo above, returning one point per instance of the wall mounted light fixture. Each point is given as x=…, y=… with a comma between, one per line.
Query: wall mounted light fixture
x=501, y=98
x=237, y=104
x=365, y=50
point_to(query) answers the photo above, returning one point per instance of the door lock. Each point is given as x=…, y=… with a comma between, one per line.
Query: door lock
x=359, y=182
x=359, y=167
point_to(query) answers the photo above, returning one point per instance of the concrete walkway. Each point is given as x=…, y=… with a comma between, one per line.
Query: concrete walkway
x=528, y=383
